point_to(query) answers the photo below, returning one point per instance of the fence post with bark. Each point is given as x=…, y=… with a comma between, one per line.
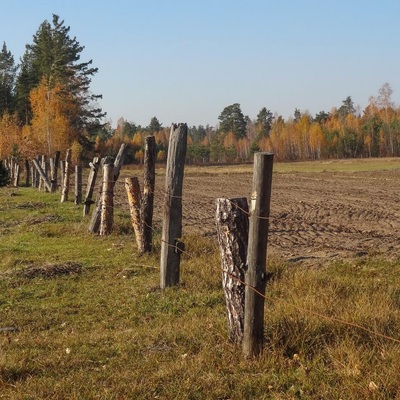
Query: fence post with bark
x=78, y=184
x=142, y=206
x=171, y=245
x=256, y=276
x=94, y=225
x=107, y=198
x=147, y=203
x=232, y=231
x=94, y=167
x=65, y=189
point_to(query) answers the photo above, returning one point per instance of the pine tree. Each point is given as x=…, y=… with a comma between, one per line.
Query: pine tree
x=54, y=56
x=233, y=120
x=4, y=175
x=8, y=71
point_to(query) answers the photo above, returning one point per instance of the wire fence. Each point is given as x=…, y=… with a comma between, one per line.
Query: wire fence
x=300, y=228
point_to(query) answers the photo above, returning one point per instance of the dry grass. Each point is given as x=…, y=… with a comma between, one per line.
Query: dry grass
x=107, y=331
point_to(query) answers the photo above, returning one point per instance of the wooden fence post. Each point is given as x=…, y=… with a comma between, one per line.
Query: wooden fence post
x=171, y=247
x=134, y=199
x=94, y=167
x=233, y=231
x=107, y=199
x=119, y=161
x=27, y=173
x=42, y=165
x=43, y=176
x=147, y=202
x=65, y=189
x=256, y=277
x=54, y=171
x=16, y=174
x=78, y=184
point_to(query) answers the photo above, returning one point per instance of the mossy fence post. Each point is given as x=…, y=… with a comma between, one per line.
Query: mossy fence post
x=171, y=245
x=233, y=232
x=256, y=276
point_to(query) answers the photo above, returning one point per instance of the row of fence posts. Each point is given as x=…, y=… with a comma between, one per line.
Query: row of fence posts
x=242, y=231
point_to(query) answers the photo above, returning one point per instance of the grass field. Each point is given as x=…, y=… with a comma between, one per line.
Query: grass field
x=82, y=317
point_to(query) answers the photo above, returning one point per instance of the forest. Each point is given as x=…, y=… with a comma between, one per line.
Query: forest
x=46, y=105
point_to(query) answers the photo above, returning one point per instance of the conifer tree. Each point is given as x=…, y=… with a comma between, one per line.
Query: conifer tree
x=8, y=71
x=54, y=57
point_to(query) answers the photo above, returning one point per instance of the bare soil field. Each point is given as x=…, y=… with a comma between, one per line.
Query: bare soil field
x=315, y=216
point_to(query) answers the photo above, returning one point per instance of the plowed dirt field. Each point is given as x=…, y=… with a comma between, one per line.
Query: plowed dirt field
x=315, y=216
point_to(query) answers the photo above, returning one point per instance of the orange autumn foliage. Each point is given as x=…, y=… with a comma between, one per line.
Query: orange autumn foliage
x=52, y=109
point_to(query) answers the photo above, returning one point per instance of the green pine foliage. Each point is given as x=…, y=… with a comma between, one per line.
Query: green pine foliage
x=4, y=175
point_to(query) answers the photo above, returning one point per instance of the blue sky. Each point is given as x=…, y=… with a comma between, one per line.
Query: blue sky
x=184, y=61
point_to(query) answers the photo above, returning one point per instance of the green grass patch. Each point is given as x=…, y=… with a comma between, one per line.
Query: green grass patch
x=82, y=317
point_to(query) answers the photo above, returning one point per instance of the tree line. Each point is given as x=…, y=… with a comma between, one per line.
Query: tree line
x=46, y=105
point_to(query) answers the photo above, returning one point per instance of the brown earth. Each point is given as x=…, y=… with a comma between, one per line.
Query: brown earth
x=315, y=217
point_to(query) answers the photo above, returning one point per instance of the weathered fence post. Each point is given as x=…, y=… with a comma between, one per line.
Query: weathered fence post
x=27, y=173
x=119, y=161
x=78, y=184
x=147, y=203
x=107, y=199
x=54, y=171
x=256, y=277
x=16, y=175
x=134, y=199
x=43, y=176
x=171, y=247
x=46, y=172
x=94, y=167
x=65, y=189
x=233, y=231
x=42, y=165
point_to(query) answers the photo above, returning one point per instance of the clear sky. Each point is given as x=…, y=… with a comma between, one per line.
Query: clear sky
x=185, y=60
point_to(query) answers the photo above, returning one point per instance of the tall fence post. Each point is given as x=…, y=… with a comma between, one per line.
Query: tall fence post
x=171, y=247
x=65, y=189
x=107, y=199
x=232, y=220
x=256, y=277
x=147, y=202
x=78, y=184
x=94, y=167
